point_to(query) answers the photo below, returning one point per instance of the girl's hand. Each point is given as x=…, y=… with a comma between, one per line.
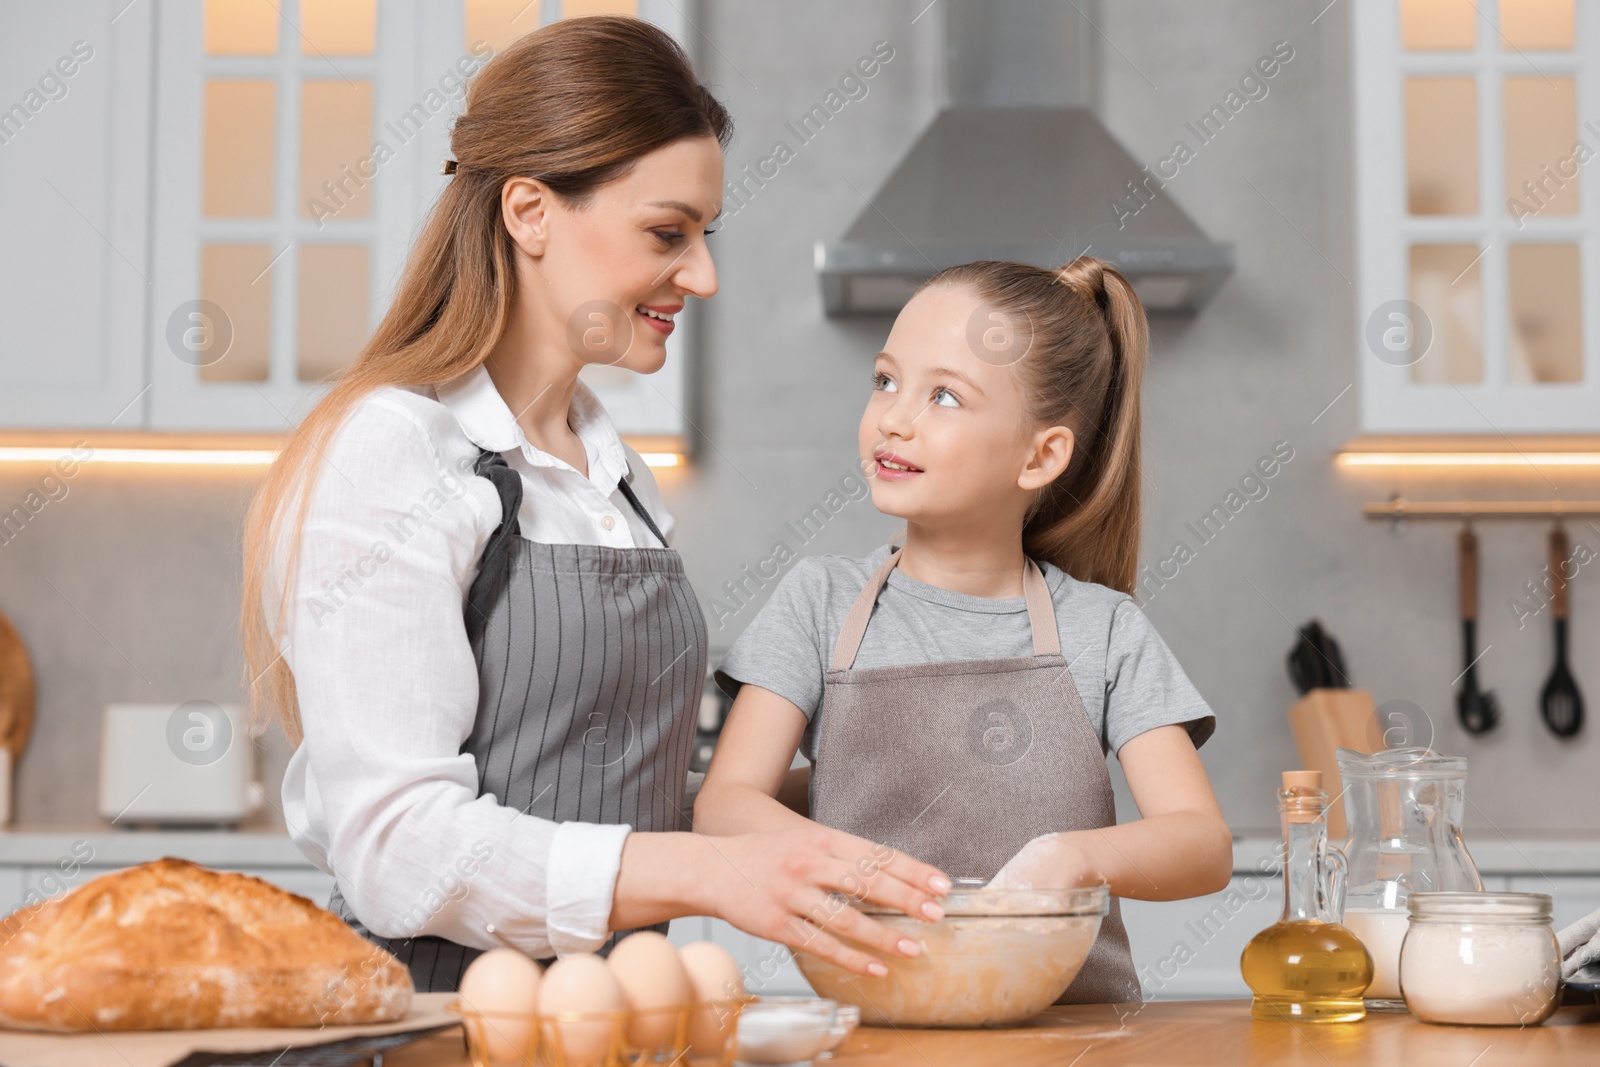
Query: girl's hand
x=778, y=885
x=1052, y=861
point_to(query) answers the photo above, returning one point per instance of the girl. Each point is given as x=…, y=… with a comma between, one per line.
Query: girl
x=957, y=695
x=459, y=601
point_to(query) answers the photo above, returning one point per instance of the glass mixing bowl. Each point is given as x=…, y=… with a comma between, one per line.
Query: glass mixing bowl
x=998, y=956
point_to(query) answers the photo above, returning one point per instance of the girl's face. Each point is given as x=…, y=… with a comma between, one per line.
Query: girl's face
x=946, y=438
x=610, y=274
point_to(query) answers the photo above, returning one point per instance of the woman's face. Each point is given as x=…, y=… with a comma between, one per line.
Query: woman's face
x=611, y=273
x=946, y=437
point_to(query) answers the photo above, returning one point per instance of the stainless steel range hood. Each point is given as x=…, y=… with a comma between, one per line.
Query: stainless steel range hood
x=1017, y=166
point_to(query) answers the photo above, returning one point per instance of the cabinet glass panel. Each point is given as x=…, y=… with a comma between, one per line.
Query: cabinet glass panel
x=240, y=117
x=1441, y=134
x=1447, y=283
x=1543, y=25
x=1541, y=128
x=332, y=308
x=338, y=27
x=335, y=136
x=1546, y=318
x=1438, y=25
x=499, y=22
x=241, y=27
x=235, y=278
x=571, y=9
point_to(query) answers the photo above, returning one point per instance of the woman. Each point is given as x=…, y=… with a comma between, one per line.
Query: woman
x=487, y=655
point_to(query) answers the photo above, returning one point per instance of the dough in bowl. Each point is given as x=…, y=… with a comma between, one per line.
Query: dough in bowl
x=171, y=945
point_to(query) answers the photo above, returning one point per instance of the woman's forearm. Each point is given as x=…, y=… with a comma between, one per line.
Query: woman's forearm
x=1161, y=857
x=662, y=877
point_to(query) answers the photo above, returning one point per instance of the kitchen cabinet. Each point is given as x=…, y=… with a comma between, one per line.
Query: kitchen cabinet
x=212, y=238
x=1574, y=896
x=75, y=144
x=1478, y=253
x=1189, y=949
x=768, y=967
x=1184, y=949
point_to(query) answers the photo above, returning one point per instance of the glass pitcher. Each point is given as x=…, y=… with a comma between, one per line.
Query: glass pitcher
x=1403, y=811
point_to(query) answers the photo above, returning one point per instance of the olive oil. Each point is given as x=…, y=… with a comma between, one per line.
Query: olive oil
x=1306, y=970
x=1307, y=967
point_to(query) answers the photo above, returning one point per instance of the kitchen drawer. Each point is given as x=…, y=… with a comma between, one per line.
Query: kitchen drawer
x=1189, y=949
x=50, y=882
x=11, y=889
x=308, y=882
x=1574, y=895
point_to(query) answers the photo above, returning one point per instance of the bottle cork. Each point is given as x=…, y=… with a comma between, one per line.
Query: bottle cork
x=1298, y=784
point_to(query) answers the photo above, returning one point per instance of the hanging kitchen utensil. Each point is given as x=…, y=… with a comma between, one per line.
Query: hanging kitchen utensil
x=16, y=692
x=1478, y=710
x=1560, y=702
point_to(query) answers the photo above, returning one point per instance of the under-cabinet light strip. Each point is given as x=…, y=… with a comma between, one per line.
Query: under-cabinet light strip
x=1469, y=459
x=213, y=457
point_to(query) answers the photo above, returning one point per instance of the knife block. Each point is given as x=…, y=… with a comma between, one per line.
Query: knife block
x=1324, y=721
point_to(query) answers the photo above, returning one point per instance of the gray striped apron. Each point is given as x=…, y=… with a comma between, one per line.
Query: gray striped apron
x=961, y=763
x=591, y=661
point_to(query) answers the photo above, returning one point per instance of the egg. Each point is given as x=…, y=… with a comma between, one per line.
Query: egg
x=714, y=975
x=582, y=984
x=503, y=984
x=647, y=967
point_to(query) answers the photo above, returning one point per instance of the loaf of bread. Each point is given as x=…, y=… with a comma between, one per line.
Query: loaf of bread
x=171, y=945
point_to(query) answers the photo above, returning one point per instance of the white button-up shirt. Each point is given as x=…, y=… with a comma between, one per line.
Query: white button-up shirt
x=379, y=793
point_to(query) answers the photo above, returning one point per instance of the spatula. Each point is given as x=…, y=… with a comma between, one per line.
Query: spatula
x=1478, y=710
x=1560, y=703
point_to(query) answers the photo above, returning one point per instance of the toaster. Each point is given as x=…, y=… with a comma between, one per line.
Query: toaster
x=191, y=763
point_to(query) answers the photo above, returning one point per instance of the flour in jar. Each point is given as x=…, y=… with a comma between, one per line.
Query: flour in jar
x=1484, y=974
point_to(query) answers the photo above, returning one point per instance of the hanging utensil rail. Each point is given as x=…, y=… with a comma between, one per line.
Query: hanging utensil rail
x=1401, y=508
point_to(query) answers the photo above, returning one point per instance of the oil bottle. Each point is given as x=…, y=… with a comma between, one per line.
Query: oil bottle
x=1306, y=967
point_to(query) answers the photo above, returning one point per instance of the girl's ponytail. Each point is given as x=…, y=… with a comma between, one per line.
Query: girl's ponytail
x=1084, y=370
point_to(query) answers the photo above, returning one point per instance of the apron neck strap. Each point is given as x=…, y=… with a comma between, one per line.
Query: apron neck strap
x=1041, y=613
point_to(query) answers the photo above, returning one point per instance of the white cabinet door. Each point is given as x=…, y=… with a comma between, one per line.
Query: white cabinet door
x=284, y=202
x=74, y=213
x=1189, y=949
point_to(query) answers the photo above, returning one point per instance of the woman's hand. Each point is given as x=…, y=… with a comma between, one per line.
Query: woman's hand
x=779, y=885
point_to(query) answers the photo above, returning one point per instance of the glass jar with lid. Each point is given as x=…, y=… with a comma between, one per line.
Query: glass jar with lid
x=1480, y=959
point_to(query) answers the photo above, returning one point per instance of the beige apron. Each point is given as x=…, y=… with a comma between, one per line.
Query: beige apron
x=961, y=763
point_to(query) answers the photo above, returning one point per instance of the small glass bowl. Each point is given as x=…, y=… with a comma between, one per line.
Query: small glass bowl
x=785, y=1031
x=702, y=1036
x=845, y=1019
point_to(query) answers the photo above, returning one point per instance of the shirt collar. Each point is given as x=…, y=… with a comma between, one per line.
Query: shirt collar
x=487, y=422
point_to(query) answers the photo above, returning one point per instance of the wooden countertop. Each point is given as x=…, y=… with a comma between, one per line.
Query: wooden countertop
x=1194, y=1033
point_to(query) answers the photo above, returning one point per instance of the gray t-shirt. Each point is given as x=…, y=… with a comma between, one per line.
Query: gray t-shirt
x=1126, y=676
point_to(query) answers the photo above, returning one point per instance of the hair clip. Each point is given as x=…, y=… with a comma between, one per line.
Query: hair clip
x=448, y=167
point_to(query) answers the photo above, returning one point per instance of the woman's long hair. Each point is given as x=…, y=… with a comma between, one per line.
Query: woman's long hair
x=573, y=104
x=1083, y=369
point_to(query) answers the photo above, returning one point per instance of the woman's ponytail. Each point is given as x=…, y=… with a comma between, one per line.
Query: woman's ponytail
x=1084, y=370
